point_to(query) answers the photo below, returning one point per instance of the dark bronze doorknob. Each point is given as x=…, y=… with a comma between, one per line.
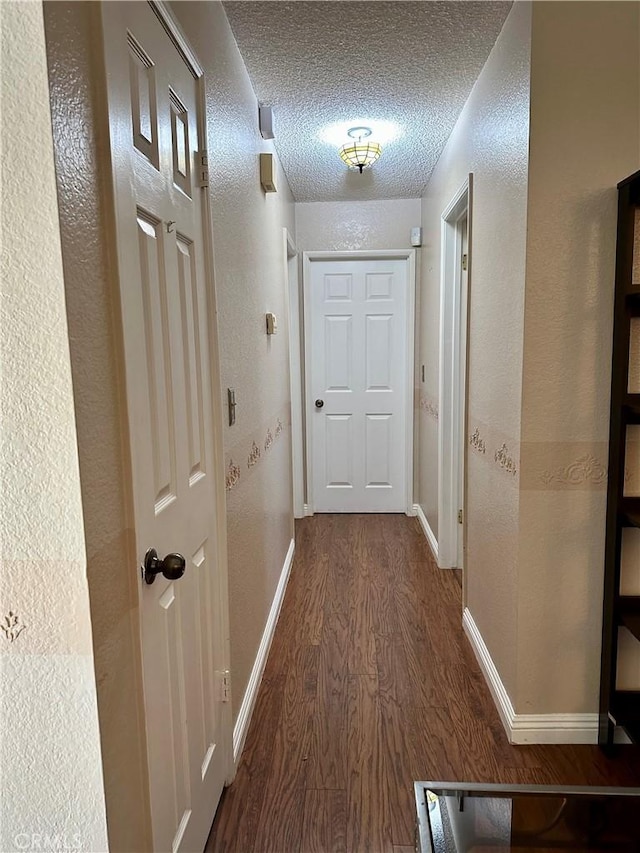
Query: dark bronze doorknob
x=319, y=404
x=172, y=567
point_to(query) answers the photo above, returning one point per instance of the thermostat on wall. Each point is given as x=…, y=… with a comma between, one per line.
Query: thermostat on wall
x=272, y=324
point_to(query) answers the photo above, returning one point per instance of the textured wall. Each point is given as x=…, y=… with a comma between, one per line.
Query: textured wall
x=249, y=270
x=345, y=226
x=490, y=139
x=52, y=793
x=585, y=137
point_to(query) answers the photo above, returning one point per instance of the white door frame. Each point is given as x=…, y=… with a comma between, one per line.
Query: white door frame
x=453, y=386
x=290, y=254
x=408, y=255
x=174, y=30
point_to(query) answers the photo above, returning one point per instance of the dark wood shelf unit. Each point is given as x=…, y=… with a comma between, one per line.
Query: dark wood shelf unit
x=619, y=707
x=624, y=712
x=630, y=512
x=632, y=623
x=625, y=704
x=630, y=619
x=632, y=408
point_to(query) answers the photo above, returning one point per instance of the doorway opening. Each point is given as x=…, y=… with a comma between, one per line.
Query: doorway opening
x=359, y=310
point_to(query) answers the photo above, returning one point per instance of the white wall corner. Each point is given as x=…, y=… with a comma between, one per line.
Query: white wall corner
x=251, y=693
x=527, y=728
x=426, y=529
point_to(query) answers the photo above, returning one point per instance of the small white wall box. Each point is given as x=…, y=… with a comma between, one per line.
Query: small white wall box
x=272, y=324
x=265, y=121
x=266, y=173
x=416, y=236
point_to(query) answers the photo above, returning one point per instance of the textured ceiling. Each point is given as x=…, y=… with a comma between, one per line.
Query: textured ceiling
x=319, y=64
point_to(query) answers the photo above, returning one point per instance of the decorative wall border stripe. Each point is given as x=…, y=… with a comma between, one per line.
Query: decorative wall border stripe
x=248, y=453
x=585, y=469
x=496, y=448
x=428, y=405
x=477, y=442
x=12, y=626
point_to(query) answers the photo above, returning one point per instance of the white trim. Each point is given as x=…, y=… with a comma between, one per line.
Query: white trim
x=410, y=378
x=426, y=529
x=408, y=255
x=449, y=393
x=251, y=693
x=307, y=510
x=165, y=15
x=528, y=728
x=292, y=289
x=492, y=677
x=555, y=728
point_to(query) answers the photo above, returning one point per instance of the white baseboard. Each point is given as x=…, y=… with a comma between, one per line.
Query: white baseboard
x=528, y=728
x=307, y=511
x=251, y=693
x=492, y=677
x=428, y=532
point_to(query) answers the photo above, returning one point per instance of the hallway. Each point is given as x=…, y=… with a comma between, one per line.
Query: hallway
x=371, y=685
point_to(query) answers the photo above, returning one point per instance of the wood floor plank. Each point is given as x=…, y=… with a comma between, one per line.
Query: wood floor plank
x=396, y=736
x=234, y=829
x=362, y=644
x=368, y=798
x=371, y=684
x=300, y=622
x=325, y=821
x=328, y=757
x=280, y=824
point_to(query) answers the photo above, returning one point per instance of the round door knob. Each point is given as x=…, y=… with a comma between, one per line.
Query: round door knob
x=319, y=404
x=172, y=567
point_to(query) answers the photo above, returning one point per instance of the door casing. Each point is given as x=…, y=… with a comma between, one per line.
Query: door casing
x=453, y=380
x=294, y=301
x=409, y=256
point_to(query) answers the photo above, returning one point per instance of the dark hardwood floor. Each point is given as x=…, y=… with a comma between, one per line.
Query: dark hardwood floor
x=370, y=685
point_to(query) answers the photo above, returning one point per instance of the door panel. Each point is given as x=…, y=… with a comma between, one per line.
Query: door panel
x=339, y=353
x=339, y=459
x=379, y=353
x=154, y=124
x=358, y=368
x=378, y=472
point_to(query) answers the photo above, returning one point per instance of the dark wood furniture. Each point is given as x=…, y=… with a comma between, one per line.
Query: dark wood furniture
x=621, y=707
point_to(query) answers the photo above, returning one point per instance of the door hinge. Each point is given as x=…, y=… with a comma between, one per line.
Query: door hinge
x=459, y=516
x=465, y=262
x=224, y=686
x=202, y=160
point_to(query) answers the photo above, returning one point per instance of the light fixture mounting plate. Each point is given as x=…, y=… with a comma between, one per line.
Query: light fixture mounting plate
x=359, y=132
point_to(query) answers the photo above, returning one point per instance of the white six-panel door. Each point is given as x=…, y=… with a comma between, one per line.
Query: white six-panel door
x=357, y=392
x=155, y=125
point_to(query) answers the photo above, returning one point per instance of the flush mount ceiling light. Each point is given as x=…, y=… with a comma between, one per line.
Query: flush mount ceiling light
x=360, y=154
